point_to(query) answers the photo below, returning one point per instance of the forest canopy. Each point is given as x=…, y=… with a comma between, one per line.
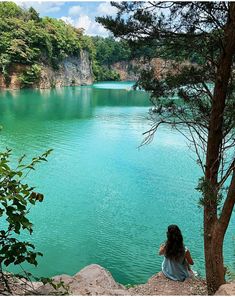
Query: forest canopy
x=28, y=39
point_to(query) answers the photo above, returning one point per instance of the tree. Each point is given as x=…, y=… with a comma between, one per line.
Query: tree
x=185, y=33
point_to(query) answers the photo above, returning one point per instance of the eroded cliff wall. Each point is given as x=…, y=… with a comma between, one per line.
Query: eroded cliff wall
x=71, y=71
x=130, y=70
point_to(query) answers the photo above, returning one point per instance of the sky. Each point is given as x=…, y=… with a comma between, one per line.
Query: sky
x=77, y=13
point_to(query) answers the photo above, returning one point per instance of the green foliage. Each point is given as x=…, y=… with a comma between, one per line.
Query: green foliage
x=60, y=287
x=103, y=73
x=208, y=192
x=63, y=40
x=106, y=52
x=10, y=9
x=110, y=51
x=30, y=76
x=28, y=39
x=16, y=198
x=4, y=66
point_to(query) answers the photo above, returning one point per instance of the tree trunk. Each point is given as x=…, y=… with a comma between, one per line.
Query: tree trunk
x=213, y=245
x=213, y=233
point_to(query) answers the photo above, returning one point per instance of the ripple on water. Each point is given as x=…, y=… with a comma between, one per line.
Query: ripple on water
x=106, y=201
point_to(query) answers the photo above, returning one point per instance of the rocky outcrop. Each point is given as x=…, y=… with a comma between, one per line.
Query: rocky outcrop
x=91, y=280
x=226, y=290
x=95, y=280
x=127, y=70
x=130, y=70
x=14, y=74
x=160, y=285
x=71, y=71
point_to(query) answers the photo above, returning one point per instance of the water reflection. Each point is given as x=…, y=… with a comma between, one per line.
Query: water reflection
x=64, y=103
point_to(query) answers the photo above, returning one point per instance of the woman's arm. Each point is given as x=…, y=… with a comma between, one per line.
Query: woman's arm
x=162, y=249
x=188, y=257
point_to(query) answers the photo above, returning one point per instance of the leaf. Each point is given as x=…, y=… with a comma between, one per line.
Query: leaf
x=21, y=158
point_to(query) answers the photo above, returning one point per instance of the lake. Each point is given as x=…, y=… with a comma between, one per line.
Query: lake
x=106, y=201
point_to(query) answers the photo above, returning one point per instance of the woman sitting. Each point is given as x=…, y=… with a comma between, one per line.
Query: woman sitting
x=177, y=258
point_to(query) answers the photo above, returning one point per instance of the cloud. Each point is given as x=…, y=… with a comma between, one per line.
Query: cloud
x=74, y=10
x=78, y=16
x=87, y=23
x=41, y=7
x=68, y=20
x=105, y=8
x=84, y=21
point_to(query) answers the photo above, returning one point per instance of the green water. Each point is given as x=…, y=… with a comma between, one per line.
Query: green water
x=106, y=201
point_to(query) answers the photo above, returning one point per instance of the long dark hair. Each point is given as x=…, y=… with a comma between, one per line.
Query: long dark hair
x=174, y=247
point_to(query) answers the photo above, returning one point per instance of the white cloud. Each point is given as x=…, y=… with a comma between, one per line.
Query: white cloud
x=68, y=20
x=74, y=10
x=90, y=26
x=41, y=6
x=105, y=8
x=84, y=21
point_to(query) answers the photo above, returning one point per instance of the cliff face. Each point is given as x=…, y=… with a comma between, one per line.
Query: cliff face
x=72, y=71
x=127, y=70
x=130, y=70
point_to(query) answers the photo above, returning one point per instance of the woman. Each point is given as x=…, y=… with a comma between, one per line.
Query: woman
x=177, y=257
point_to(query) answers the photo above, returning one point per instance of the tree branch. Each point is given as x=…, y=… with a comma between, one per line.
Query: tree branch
x=228, y=205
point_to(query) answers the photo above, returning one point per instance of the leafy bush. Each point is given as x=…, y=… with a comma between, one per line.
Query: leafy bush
x=103, y=73
x=30, y=76
x=16, y=198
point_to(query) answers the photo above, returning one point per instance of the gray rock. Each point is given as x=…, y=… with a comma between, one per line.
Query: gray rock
x=91, y=280
x=72, y=71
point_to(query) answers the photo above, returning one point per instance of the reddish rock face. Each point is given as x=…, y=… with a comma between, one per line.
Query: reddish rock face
x=14, y=74
x=129, y=70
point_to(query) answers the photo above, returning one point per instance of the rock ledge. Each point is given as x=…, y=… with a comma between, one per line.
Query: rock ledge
x=96, y=280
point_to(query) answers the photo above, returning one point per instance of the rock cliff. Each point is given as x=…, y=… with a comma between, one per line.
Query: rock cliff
x=130, y=70
x=70, y=71
x=127, y=70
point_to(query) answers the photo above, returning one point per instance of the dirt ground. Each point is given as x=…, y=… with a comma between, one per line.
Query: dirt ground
x=160, y=285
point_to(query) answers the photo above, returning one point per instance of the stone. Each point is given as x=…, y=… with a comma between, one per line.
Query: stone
x=91, y=280
x=96, y=280
x=226, y=290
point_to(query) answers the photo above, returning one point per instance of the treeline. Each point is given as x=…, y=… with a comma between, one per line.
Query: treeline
x=30, y=40
x=107, y=52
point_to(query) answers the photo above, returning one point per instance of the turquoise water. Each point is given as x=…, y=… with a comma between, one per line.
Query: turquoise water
x=106, y=201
